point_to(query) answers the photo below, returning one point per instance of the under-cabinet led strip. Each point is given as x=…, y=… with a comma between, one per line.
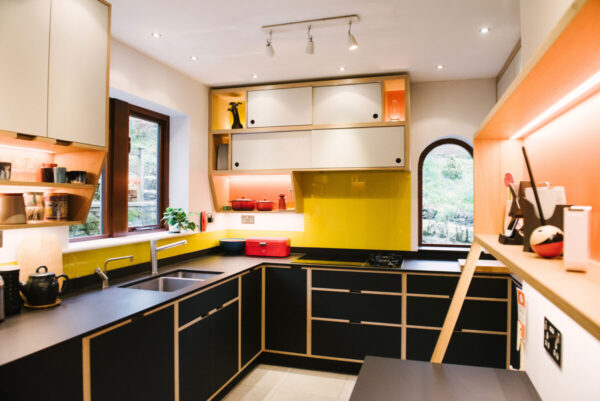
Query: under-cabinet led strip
x=27, y=149
x=568, y=100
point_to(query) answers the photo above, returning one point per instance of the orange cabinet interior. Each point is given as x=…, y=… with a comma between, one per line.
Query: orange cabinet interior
x=394, y=100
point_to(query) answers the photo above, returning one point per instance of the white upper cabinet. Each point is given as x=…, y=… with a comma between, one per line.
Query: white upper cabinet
x=78, y=71
x=274, y=150
x=280, y=107
x=347, y=104
x=24, y=35
x=358, y=147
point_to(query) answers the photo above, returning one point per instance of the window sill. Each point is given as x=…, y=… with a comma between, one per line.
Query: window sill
x=445, y=248
x=90, y=245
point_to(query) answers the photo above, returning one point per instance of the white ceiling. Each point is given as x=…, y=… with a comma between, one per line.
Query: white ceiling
x=393, y=36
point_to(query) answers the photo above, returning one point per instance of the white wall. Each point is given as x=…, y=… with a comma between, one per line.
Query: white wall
x=577, y=379
x=141, y=80
x=511, y=72
x=441, y=110
x=538, y=18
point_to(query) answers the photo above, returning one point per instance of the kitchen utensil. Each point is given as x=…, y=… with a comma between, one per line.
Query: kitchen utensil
x=535, y=192
x=77, y=177
x=12, y=209
x=223, y=157
x=5, y=168
x=37, y=250
x=281, y=205
x=233, y=246
x=34, y=205
x=264, y=205
x=203, y=221
x=56, y=206
x=1, y=299
x=60, y=175
x=11, y=299
x=243, y=204
x=42, y=287
x=268, y=246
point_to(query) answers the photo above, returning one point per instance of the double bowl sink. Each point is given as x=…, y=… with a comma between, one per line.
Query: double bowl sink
x=173, y=281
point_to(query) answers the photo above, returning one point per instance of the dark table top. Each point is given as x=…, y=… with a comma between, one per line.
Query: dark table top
x=387, y=379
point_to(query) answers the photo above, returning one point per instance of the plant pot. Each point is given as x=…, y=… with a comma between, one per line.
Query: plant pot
x=174, y=229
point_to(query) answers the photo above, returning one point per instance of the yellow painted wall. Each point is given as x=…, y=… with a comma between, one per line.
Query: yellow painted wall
x=356, y=210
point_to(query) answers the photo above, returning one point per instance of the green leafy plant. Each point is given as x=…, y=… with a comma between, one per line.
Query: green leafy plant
x=177, y=219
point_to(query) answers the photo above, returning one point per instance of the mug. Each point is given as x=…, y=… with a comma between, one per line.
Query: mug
x=60, y=175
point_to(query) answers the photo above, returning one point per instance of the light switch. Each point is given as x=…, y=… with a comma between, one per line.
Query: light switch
x=247, y=219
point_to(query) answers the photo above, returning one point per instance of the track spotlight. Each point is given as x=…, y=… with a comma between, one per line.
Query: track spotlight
x=310, y=45
x=352, y=43
x=269, y=48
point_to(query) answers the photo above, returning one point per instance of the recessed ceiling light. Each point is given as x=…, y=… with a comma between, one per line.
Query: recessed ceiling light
x=341, y=68
x=440, y=66
x=254, y=75
x=193, y=58
x=156, y=34
x=484, y=30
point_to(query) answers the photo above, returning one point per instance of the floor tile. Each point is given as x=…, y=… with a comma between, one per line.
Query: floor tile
x=322, y=384
x=347, y=389
x=242, y=392
x=266, y=376
x=283, y=394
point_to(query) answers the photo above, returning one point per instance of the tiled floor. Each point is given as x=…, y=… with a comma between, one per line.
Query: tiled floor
x=278, y=383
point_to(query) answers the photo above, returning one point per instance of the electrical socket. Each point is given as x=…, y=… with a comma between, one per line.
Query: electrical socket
x=553, y=341
x=247, y=219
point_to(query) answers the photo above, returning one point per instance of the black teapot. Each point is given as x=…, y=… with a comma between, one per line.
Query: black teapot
x=42, y=287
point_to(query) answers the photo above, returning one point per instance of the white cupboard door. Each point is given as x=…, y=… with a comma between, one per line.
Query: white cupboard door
x=78, y=71
x=358, y=147
x=274, y=150
x=280, y=107
x=347, y=104
x=24, y=35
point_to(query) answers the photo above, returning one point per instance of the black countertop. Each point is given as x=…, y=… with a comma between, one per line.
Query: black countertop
x=387, y=379
x=78, y=315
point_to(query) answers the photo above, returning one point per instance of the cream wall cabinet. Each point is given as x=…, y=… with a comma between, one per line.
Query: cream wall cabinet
x=24, y=35
x=358, y=147
x=274, y=150
x=347, y=104
x=78, y=71
x=280, y=107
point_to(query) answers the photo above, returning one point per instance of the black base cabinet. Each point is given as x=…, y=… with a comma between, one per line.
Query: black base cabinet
x=251, y=315
x=135, y=361
x=208, y=354
x=354, y=340
x=285, y=309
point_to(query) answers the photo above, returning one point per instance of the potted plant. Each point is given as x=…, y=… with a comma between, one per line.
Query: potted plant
x=177, y=219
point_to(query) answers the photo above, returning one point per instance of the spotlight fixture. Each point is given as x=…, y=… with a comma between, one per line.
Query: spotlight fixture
x=352, y=43
x=484, y=30
x=440, y=67
x=310, y=45
x=269, y=48
x=156, y=34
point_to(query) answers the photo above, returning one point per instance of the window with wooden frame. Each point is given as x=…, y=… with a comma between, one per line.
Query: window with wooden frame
x=135, y=179
x=446, y=194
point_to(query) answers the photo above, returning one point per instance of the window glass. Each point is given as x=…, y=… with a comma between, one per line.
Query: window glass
x=94, y=224
x=447, y=196
x=143, y=172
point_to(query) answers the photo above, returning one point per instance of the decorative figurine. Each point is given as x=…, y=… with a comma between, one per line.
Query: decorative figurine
x=236, y=116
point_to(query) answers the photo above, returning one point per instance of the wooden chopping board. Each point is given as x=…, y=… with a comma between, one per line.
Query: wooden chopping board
x=39, y=250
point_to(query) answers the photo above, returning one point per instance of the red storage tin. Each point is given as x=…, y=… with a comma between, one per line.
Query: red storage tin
x=268, y=246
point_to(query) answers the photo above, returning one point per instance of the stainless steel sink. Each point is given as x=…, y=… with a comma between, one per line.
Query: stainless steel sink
x=165, y=284
x=193, y=274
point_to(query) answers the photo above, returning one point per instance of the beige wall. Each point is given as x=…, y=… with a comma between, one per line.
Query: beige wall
x=142, y=80
x=511, y=72
x=441, y=110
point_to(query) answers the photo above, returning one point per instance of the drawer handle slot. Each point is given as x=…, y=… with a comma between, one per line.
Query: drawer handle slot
x=351, y=291
x=354, y=321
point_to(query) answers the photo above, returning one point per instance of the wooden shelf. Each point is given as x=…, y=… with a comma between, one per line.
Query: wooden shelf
x=305, y=170
x=257, y=211
x=41, y=185
x=37, y=224
x=291, y=128
x=576, y=294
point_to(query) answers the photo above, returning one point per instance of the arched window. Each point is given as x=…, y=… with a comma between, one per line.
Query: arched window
x=446, y=194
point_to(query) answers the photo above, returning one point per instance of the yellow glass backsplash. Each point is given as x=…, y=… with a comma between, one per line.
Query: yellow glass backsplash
x=353, y=210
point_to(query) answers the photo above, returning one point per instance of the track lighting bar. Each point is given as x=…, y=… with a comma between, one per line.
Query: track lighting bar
x=319, y=22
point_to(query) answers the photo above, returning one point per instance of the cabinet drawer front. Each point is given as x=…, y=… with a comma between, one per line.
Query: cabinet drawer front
x=347, y=104
x=445, y=285
x=357, y=281
x=355, y=341
x=203, y=303
x=420, y=343
x=275, y=150
x=358, y=147
x=474, y=315
x=280, y=107
x=357, y=307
